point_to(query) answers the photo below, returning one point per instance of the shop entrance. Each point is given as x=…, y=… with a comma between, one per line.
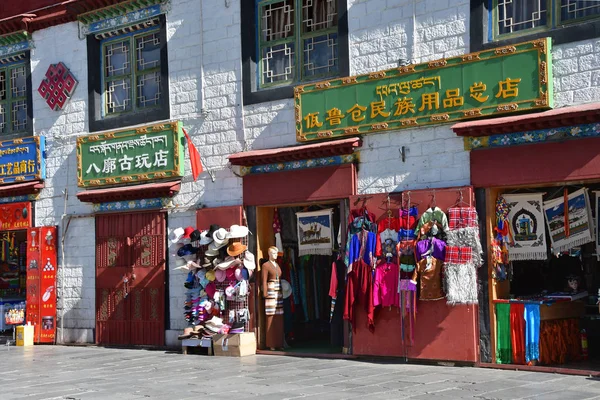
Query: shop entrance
x=556, y=290
x=130, y=279
x=311, y=322
x=13, y=280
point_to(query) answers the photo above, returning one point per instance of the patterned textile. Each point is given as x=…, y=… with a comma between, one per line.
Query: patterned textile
x=462, y=217
x=579, y=217
x=408, y=307
x=467, y=237
x=526, y=220
x=274, y=299
x=460, y=283
x=458, y=255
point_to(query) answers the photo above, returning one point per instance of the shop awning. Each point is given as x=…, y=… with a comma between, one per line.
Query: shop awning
x=21, y=189
x=565, y=116
x=136, y=192
x=293, y=153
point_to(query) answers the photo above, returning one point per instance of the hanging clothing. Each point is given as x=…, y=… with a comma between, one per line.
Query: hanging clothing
x=517, y=332
x=532, y=332
x=433, y=223
x=385, y=285
x=408, y=309
x=503, y=343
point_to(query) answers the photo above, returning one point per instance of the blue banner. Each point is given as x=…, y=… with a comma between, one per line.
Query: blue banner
x=23, y=159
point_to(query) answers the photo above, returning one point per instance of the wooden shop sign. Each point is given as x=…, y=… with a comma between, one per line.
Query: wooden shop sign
x=504, y=80
x=130, y=156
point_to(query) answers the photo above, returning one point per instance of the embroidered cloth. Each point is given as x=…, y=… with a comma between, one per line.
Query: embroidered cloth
x=525, y=218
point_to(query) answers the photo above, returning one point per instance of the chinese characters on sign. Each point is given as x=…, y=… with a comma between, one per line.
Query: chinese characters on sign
x=15, y=215
x=22, y=159
x=497, y=81
x=142, y=154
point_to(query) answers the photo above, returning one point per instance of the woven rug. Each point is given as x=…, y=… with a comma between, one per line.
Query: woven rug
x=526, y=221
x=580, y=227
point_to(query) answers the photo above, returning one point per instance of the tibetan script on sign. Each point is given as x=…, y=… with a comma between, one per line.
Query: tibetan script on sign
x=130, y=156
x=498, y=81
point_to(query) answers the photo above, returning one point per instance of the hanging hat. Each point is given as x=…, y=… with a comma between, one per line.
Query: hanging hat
x=230, y=292
x=230, y=272
x=187, y=250
x=211, y=252
x=238, y=273
x=206, y=263
x=249, y=261
x=195, y=235
x=220, y=237
x=177, y=234
x=245, y=274
x=213, y=228
x=210, y=289
x=220, y=275
x=205, y=238
x=236, y=248
x=286, y=288
x=228, y=262
x=237, y=231
x=187, y=232
x=210, y=275
x=189, y=257
x=192, y=264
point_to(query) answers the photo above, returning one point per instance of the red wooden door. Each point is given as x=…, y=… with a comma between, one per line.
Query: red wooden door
x=130, y=279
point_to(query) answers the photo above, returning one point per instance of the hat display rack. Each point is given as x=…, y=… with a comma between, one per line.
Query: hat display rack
x=219, y=268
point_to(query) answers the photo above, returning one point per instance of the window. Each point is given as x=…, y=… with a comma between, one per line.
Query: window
x=129, y=74
x=298, y=40
x=13, y=98
x=517, y=17
x=290, y=42
x=497, y=23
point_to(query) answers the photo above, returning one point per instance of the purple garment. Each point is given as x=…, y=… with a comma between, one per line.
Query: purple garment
x=433, y=246
x=412, y=211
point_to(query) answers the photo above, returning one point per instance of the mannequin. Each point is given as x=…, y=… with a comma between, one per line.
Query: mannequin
x=271, y=289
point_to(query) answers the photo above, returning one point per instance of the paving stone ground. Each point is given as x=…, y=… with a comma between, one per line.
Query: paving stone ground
x=85, y=373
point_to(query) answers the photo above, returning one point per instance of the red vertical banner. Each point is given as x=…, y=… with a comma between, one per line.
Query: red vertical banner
x=48, y=268
x=34, y=272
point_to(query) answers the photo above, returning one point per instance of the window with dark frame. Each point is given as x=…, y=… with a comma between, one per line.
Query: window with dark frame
x=297, y=41
x=128, y=75
x=13, y=98
x=131, y=72
x=513, y=18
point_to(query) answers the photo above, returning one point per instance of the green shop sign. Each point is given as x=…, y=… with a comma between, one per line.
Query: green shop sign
x=130, y=156
x=504, y=80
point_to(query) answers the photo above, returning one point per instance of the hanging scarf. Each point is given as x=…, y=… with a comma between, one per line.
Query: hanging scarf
x=503, y=345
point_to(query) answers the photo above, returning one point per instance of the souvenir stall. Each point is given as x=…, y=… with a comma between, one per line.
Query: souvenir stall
x=412, y=263
x=216, y=306
x=538, y=175
x=544, y=262
x=13, y=280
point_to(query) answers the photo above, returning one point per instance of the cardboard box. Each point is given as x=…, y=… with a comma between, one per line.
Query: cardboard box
x=235, y=344
x=25, y=335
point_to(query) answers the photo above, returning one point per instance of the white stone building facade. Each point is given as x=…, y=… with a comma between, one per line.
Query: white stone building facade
x=206, y=93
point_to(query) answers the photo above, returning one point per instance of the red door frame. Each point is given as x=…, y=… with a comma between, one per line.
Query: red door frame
x=130, y=278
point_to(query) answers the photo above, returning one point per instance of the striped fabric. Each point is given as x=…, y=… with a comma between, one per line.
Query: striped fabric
x=274, y=299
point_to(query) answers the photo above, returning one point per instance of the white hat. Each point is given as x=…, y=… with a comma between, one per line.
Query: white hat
x=190, y=257
x=237, y=231
x=177, y=234
x=220, y=237
x=249, y=261
x=204, y=240
x=228, y=262
x=211, y=252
